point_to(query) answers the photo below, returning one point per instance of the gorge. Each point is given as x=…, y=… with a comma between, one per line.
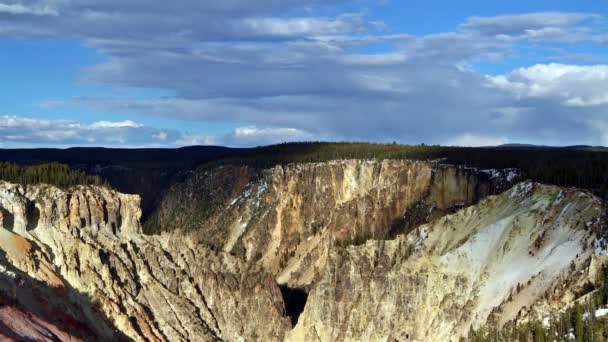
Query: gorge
x=343, y=250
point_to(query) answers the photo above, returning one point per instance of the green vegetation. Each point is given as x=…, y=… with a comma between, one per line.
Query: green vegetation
x=312, y=152
x=575, y=323
x=577, y=167
x=53, y=173
x=192, y=197
x=136, y=169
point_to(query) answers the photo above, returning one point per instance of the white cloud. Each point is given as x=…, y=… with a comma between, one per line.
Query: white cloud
x=116, y=124
x=193, y=140
x=256, y=136
x=518, y=24
x=20, y=131
x=573, y=85
x=15, y=131
x=45, y=9
x=285, y=70
x=304, y=26
x=476, y=140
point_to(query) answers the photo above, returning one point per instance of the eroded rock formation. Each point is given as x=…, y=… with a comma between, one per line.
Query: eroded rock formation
x=85, y=256
x=286, y=218
x=384, y=250
x=495, y=260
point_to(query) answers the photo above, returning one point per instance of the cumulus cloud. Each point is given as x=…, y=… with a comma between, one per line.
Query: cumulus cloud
x=16, y=131
x=574, y=85
x=255, y=136
x=471, y=140
x=283, y=72
x=24, y=131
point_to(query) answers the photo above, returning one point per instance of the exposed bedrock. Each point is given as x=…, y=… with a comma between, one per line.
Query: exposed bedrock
x=340, y=251
x=286, y=218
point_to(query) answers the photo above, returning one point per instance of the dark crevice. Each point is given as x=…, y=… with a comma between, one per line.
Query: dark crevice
x=104, y=207
x=152, y=319
x=33, y=215
x=8, y=219
x=104, y=257
x=295, y=301
x=137, y=328
x=204, y=300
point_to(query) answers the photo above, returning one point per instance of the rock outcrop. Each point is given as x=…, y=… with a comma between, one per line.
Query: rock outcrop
x=286, y=218
x=19, y=325
x=371, y=250
x=498, y=260
x=82, y=253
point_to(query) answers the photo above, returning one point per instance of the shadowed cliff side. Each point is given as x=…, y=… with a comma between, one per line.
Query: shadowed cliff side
x=286, y=218
x=87, y=242
x=49, y=309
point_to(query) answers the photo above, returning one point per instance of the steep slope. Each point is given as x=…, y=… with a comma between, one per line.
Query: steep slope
x=286, y=218
x=81, y=253
x=491, y=260
x=372, y=251
x=19, y=325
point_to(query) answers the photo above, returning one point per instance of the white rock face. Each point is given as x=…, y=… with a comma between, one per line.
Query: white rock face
x=485, y=262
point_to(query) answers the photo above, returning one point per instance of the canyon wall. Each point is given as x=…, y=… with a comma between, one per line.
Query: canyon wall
x=500, y=260
x=81, y=253
x=286, y=218
x=385, y=251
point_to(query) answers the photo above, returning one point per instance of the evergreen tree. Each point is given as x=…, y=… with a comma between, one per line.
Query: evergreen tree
x=579, y=323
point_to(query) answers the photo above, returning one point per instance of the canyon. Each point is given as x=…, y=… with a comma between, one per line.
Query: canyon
x=345, y=250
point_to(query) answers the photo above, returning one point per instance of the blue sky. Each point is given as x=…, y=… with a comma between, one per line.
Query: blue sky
x=242, y=73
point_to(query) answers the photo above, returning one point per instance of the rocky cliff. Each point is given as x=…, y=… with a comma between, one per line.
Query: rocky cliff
x=287, y=218
x=499, y=260
x=78, y=258
x=384, y=251
x=17, y=324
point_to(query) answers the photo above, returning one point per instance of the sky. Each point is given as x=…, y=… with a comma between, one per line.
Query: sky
x=151, y=73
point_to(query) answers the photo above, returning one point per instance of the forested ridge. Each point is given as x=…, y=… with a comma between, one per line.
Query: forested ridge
x=56, y=174
x=576, y=166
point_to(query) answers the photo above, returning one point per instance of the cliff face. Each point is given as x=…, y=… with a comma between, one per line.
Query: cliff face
x=19, y=325
x=385, y=250
x=527, y=249
x=82, y=254
x=286, y=218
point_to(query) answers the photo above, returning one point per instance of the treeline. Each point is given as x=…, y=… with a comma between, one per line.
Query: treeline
x=312, y=152
x=575, y=323
x=578, y=166
x=56, y=174
x=559, y=166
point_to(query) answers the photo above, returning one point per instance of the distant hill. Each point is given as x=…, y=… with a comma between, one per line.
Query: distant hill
x=543, y=147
